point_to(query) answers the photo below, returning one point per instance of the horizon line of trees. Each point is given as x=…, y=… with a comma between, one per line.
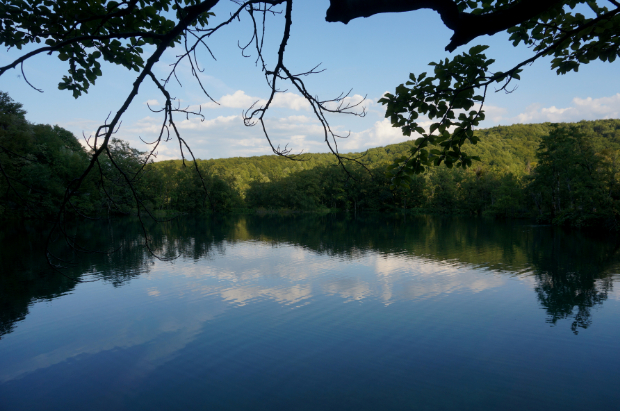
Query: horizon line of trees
x=567, y=174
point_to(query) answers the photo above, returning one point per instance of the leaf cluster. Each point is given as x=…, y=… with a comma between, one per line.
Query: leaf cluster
x=571, y=38
x=450, y=98
x=84, y=33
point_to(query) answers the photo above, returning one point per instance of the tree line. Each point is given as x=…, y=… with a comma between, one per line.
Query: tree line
x=565, y=174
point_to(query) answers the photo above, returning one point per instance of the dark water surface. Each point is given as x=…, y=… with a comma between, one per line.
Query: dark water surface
x=313, y=312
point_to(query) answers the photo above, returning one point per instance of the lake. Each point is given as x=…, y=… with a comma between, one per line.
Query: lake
x=310, y=312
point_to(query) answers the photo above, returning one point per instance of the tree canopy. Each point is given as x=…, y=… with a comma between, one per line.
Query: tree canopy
x=135, y=34
x=83, y=33
x=453, y=95
x=566, y=174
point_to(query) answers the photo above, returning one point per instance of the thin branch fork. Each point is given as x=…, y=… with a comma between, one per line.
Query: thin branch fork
x=280, y=71
x=183, y=28
x=191, y=13
x=182, y=142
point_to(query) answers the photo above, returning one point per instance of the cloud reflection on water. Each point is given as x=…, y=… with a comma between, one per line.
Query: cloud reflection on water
x=160, y=308
x=246, y=273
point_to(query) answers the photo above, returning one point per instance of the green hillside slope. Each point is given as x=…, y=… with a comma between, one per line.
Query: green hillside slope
x=580, y=183
x=509, y=147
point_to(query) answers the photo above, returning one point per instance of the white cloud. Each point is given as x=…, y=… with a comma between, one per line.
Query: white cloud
x=291, y=101
x=494, y=113
x=299, y=119
x=604, y=107
x=236, y=100
x=240, y=100
x=380, y=134
x=581, y=109
x=290, y=124
x=152, y=103
x=227, y=136
x=197, y=124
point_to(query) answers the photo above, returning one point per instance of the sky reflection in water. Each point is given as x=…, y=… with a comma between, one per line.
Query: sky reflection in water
x=307, y=312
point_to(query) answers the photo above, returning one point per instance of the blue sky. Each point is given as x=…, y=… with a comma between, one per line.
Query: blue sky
x=369, y=56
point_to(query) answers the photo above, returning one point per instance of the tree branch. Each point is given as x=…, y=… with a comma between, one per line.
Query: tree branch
x=80, y=39
x=191, y=13
x=466, y=26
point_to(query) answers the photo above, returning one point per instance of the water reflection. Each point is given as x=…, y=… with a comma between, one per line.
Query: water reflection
x=573, y=275
x=389, y=259
x=313, y=312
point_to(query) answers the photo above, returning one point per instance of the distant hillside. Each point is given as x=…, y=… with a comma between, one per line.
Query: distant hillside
x=512, y=148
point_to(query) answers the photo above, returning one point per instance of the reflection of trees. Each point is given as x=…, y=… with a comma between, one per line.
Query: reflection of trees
x=571, y=269
x=562, y=294
x=488, y=243
x=573, y=274
x=23, y=278
x=26, y=278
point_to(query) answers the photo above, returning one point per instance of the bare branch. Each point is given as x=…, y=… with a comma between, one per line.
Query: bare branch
x=26, y=80
x=167, y=39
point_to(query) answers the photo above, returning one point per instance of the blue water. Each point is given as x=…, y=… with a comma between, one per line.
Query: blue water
x=317, y=313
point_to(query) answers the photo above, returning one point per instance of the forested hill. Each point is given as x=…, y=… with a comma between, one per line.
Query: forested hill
x=562, y=173
x=566, y=173
x=511, y=148
x=514, y=147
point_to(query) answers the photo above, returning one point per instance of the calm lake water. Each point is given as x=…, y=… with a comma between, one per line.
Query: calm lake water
x=309, y=312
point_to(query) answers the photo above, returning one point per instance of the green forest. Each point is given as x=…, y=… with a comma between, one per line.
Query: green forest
x=565, y=174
